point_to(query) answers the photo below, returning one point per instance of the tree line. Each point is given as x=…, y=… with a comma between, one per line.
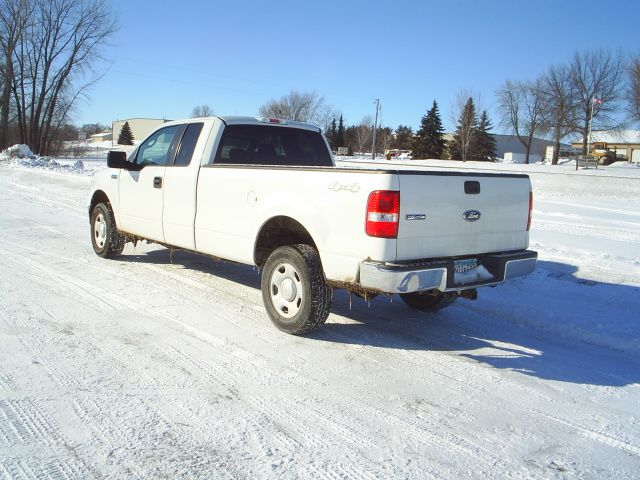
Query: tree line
x=472, y=139
x=595, y=86
x=48, y=51
x=590, y=91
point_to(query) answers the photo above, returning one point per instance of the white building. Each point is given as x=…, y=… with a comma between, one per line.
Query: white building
x=509, y=148
x=140, y=127
x=101, y=137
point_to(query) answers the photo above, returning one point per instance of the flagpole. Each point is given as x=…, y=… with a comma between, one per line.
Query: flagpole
x=593, y=100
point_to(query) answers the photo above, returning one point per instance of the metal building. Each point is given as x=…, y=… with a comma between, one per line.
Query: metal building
x=140, y=127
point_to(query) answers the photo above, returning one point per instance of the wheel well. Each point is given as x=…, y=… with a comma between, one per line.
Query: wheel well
x=98, y=197
x=278, y=232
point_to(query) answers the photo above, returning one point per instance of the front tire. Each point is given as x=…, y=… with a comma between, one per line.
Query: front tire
x=106, y=239
x=294, y=289
x=429, y=301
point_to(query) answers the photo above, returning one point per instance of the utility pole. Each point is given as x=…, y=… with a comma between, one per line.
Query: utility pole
x=375, y=123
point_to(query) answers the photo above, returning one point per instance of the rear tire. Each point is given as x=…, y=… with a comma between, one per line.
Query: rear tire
x=430, y=300
x=294, y=289
x=106, y=239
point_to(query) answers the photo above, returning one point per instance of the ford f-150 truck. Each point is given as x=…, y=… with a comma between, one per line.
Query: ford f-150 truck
x=267, y=192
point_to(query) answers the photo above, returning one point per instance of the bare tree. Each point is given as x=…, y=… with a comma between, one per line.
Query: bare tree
x=560, y=112
x=93, y=128
x=384, y=139
x=364, y=133
x=464, y=115
x=596, y=74
x=201, y=111
x=13, y=18
x=633, y=89
x=301, y=106
x=520, y=105
x=62, y=41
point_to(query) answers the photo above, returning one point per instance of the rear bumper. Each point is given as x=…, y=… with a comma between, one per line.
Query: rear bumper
x=439, y=274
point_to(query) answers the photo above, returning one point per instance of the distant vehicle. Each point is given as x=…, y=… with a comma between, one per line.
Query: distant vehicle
x=266, y=192
x=605, y=156
x=397, y=153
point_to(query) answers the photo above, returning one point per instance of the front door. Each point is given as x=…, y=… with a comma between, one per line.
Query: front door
x=141, y=188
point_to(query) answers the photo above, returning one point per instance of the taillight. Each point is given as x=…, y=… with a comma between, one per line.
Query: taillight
x=383, y=214
x=530, y=208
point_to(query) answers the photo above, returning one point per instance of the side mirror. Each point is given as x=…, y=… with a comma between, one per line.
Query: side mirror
x=117, y=160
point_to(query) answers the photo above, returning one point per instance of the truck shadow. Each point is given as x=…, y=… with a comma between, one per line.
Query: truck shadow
x=513, y=327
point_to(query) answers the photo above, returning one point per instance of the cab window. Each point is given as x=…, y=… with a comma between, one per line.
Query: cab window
x=272, y=145
x=155, y=149
x=188, y=144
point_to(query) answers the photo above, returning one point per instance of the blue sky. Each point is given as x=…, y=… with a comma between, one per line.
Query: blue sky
x=168, y=57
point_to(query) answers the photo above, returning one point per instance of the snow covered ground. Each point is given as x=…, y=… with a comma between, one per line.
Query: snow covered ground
x=157, y=366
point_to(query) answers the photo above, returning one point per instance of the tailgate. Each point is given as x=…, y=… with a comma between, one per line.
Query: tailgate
x=443, y=214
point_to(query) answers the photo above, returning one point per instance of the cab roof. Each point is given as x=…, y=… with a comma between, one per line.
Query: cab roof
x=246, y=120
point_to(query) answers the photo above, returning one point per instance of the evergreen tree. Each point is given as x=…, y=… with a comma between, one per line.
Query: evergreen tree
x=340, y=136
x=331, y=134
x=429, y=141
x=404, y=137
x=486, y=142
x=126, y=135
x=465, y=139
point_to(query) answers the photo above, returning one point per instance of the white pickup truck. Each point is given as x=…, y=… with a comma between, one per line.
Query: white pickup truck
x=267, y=192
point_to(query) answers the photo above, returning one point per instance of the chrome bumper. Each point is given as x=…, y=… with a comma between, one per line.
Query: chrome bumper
x=439, y=274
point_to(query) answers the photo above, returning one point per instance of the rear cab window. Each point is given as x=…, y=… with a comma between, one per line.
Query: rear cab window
x=272, y=145
x=188, y=144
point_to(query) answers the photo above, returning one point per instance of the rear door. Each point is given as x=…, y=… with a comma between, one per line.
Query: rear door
x=179, y=188
x=446, y=214
x=141, y=190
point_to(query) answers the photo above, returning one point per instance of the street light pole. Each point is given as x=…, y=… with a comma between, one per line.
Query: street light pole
x=375, y=123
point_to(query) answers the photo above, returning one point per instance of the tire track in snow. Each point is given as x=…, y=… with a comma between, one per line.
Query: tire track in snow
x=199, y=335
x=74, y=285
x=436, y=441
x=53, y=469
x=37, y=197
x=601, y=437
x=455, y=442
x=594, y=207
x=87, y=291
x=295, y=420
x=104, y=430
x=6, y=380
x=24, y=421
x=38, y=343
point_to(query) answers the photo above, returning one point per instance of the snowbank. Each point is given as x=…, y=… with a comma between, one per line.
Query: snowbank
x=21, y=156
x=47, y=163
x=17, y=151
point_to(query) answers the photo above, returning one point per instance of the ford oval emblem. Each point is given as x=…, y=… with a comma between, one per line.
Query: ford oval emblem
x=471, y=215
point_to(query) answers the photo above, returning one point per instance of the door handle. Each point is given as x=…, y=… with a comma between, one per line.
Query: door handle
x=157, y=182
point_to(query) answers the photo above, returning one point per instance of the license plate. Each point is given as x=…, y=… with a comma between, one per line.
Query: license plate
x=461, y=266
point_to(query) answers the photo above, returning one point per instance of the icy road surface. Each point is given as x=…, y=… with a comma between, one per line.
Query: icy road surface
x=152, y=367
